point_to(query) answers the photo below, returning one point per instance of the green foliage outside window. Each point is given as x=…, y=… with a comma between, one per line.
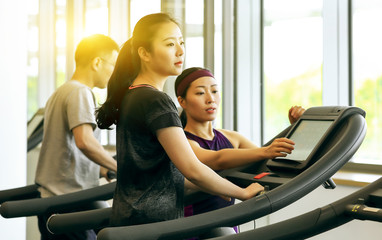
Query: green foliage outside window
x=303, y=90
x=368, y=97
x=32, y=104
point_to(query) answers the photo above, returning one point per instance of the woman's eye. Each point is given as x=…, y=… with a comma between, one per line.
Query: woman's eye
x=170, y=44
x=199, y=93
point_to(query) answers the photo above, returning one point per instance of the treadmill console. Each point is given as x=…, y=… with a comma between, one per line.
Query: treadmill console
x=310, y=133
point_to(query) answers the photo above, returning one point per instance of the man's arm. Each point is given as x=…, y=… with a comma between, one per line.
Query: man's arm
x=89, y=145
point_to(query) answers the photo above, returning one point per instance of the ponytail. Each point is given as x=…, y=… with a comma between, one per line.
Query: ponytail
x=125, y=71
x=183, y=118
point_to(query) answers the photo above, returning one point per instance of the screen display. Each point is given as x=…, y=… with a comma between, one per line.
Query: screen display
x=306, y=136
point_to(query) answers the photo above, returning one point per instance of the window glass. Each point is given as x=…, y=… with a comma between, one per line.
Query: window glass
x=367, y=75
x=140, y=8
x=96, y=17
x=194, y=16
x=292, y=59
x=32, y=57
x=218, y=56
x=60, y=42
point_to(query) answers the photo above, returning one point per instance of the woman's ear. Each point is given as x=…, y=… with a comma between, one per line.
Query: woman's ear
x=182, y=102
x=143, y=54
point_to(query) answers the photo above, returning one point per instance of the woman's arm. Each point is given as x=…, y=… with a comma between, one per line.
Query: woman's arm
x=231, y=158
x=189, y=187
x=179, y=151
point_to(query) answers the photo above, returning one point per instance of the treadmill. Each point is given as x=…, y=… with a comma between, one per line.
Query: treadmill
x=326, y=138
x=35, y=129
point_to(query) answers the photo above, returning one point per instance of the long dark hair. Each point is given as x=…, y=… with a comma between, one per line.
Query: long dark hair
x=183, y=93
x=128, y=66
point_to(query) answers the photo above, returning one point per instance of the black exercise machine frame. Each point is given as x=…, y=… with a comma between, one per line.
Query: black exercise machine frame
x=364, y=204
x=38, y=206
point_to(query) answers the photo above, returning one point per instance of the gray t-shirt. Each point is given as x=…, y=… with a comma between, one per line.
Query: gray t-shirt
x=62, y=167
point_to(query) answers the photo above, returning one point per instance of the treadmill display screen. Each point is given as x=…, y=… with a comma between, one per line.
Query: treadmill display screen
x=306, y=136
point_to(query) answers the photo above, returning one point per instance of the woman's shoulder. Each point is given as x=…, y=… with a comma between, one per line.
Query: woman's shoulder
x=143, y=91
x=149, y=95
x=227, y=132
x=158, y=95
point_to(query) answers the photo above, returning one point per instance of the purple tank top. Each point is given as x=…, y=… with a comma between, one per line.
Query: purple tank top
x=217, y=143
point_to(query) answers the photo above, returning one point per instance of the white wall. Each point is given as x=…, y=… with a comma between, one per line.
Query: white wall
x=13, y=97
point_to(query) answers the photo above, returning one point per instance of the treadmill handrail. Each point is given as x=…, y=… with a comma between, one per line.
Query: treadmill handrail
x=314, y=222
x=97, y=218
x=38, y=206
x=311, y=178
x=29, y=191
x=79, y=221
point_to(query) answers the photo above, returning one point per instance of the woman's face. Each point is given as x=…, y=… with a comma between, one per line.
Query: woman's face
x=167, y=55
x=202, y=100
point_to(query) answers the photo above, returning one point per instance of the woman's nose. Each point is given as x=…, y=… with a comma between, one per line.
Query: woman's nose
x=180, y=51
x=210, y=98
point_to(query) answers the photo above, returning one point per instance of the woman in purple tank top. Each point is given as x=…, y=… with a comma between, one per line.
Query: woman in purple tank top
x=198, y=95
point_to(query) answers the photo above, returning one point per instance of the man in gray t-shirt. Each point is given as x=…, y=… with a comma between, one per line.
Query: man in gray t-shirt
x=63, y=167
x=71, y=157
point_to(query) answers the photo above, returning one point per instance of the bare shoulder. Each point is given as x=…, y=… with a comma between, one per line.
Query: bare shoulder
x=228, y=133
x=237, y=139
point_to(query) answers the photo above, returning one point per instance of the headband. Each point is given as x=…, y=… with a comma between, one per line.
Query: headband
x=190, y=78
